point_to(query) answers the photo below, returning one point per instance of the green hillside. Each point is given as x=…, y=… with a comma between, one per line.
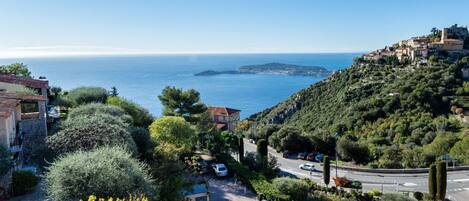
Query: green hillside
x=387, y=113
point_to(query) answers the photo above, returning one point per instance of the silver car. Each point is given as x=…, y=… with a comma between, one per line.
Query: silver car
x=307, y=166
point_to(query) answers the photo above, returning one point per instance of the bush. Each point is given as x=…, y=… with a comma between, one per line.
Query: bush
x=99, y=108
x=143, y=142
x=103, y=172
x=418, y=195
x=141, y=117
x=23, y=182
x=84, y=95
x=172, y=136
x=89, y=132
x=295, y=188
x=5, y=161
x=394, y=197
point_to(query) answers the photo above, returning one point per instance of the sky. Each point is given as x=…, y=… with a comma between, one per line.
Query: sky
x=70, y=27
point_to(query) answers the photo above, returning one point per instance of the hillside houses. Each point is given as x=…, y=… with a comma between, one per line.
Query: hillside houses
x=451, y=40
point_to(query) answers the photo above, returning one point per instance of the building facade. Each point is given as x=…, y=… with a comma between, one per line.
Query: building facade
x=225, y=118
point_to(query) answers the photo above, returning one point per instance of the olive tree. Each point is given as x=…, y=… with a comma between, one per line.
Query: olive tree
x=99, y=108
x=84, y=95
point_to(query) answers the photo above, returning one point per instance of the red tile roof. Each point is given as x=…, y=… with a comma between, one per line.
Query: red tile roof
x=222, y=110
x=220, y=126
x=25, y=81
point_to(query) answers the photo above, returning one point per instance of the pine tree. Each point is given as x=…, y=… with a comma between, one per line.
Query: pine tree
x=327, y=170
x=432, y=181
x=441, y=181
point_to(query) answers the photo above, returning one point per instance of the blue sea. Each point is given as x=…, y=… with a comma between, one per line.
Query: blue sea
x=141, y=78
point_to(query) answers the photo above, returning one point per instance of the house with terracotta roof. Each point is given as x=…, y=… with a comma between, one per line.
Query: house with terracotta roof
x=23, y=115
x=225, y=118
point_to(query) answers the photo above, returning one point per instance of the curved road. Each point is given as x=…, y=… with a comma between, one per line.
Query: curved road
x=458, y=181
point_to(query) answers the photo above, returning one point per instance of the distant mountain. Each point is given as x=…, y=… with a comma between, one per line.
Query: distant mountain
x=272, y=68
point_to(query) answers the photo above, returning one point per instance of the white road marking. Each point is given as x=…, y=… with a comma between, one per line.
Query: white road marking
x=409, y=184
x=461, y=180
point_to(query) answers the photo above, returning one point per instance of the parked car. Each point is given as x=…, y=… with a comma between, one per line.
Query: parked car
x=302, y=155
x=252, y=141
x=319, y=158
x=307, y=166
x=285, y=154
x=311, y=157
x=220, y=169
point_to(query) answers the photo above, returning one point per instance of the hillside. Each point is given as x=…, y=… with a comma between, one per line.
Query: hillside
x=388, y=113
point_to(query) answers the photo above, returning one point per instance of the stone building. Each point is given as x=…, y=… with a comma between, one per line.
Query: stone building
x=225, y=118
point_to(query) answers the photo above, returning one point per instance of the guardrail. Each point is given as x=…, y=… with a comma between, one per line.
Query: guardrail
x=397, y=171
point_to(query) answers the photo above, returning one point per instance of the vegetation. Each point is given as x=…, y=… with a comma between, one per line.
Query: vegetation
x=18, y=69
x=390, y=114
x=141, y=116
x=326, y=170
x=5, y=161
x=103, y=172
x=173, y=136
x=181, y=103
x=89, y=132
x=130, y=198
x=432, y=189
x=395, y=197
x=23, y=182
x=92, y=109
x=441, y=180
x=296, y=189
x=84, y=95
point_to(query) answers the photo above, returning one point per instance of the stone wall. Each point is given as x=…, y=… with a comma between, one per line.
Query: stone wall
x=34, y=132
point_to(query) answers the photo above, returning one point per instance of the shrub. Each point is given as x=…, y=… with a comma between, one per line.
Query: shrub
x=23, y=182
x=99, y=108
x=5, y=161
x=84, y=95
x=295, y=188
x=143, y=142
x=262, y=149
x=418, y=195
x=103, y=172
x=441, y=180
x=394, y=197
x=130, y=198
x=89, y=132
x=141, y=117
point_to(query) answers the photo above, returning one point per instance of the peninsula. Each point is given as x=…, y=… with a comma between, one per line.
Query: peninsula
x=272, y=68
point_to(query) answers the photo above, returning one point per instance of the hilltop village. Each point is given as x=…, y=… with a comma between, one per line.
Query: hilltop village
x=452, y=41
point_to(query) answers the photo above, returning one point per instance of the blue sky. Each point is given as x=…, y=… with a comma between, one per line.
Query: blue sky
x=46, y=27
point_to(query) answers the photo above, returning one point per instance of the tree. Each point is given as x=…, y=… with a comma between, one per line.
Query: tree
x=18, y=69
x=460, y=150
x=432, y=181
x=141, y=116
x=262, y=147
x=326, y=170
x=90, y=132
x=172, y=136
x=241, y=149
x=113, y=92
x=142, y=139
x=441, y=180
x=84, y=95
x=289, y=138
x=181, y=103
x=103, y=172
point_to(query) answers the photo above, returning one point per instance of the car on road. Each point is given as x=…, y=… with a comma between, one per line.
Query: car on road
x=311, y=156
x=307, y=166
x=220, y=169
x=319, y=158
x=302, y=155
x=252, y=141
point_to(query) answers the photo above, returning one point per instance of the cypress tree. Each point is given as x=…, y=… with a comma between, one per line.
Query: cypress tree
x=262, y=147
x=432, y=181
x=441, y=181
x=327, y=170
x=241, y=149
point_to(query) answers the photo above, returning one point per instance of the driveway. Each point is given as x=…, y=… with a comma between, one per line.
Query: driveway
x=225, y=189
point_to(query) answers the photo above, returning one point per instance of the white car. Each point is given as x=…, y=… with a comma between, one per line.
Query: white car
x=220, y=169
x=307, y=166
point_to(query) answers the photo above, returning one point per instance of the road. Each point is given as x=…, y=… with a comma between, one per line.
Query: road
x=458, y=181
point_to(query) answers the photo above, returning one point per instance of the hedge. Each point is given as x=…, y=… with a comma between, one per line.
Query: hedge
x=255, y=181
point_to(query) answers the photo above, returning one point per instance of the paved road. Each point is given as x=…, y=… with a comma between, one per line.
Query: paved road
x=458, y=181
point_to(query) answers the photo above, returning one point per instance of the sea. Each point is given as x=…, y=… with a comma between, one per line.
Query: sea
x=141, y=78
